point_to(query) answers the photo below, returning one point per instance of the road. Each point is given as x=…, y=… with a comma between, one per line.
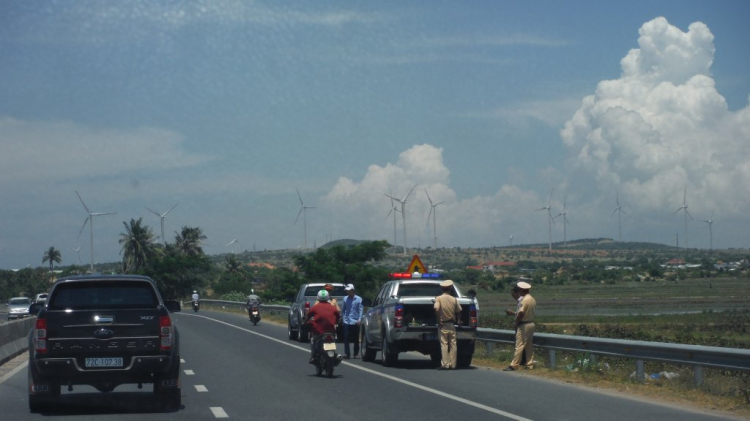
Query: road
x=232, y=369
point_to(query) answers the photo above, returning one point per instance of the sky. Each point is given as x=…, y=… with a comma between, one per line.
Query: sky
x=222, y=111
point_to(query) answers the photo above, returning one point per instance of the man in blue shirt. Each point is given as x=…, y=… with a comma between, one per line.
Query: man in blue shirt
x=352, y=317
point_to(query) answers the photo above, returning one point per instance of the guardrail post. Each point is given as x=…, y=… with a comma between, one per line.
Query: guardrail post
x=552, y=359
x=488, y=347
x=593, y=359
x=640, y=373
x=698, y=375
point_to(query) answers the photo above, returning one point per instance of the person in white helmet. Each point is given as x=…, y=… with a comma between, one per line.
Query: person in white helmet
x=322, y=319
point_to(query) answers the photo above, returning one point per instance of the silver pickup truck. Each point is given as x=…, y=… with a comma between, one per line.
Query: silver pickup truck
x=402, y=318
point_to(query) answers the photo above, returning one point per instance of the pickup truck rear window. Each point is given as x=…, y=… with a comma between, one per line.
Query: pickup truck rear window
x=312, y=291
x=420, y=290
x=103, y=295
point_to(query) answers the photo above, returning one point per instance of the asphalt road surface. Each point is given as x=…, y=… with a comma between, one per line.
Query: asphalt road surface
x=232, y=369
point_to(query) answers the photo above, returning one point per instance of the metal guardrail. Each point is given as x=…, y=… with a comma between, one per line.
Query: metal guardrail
x=695, y=355
x=225, y=303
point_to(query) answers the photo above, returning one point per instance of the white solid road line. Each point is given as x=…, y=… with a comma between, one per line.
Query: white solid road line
x=396, y=379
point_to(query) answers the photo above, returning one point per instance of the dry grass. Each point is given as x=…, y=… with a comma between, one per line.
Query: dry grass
x=675, y=392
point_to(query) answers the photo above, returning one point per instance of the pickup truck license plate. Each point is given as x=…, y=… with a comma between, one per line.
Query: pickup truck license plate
x=329, y=347
x=104, y=362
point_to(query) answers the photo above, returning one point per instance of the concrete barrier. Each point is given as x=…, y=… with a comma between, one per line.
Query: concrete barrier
x=14, y=338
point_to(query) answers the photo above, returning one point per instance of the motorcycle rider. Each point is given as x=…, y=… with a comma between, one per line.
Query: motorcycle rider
x=195, y=298
x=253, y=301
x=322, y=319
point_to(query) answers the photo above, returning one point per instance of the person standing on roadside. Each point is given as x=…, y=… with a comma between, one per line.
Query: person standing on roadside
x=447, y=311
x=352, y=317
x=524, y=329
x=516, y=294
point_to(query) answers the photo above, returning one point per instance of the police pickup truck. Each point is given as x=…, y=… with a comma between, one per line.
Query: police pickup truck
x=104, y=331
x=402, y=318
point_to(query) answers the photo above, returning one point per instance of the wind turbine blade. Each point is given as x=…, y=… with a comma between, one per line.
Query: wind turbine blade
x=170, y=210
x=688, y=213
x=429, y=215
x=613, y=212
x=155, y=213
x=300, y=198
x=84, y=205
x=677, y=211
x=428, y=197
x=298, y=214
x=85, y=221
x=407, y=195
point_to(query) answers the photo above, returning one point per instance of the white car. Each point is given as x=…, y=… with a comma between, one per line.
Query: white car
x=18, y=307
x=40, y=298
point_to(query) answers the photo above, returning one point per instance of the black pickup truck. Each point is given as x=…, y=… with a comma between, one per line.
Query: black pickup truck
x=104, y=331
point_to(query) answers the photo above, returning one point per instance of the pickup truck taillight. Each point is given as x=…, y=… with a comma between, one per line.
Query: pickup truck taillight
x=40, y=336
x=166, y=333
x=398, y=318
x=307, y=308
x=473, y=316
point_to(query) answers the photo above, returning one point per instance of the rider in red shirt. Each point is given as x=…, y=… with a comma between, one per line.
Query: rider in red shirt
x=322, y=319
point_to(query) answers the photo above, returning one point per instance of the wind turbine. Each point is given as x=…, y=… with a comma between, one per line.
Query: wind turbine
x=564, y=215
x=393, y=211
x=231, y=243
x=684, y=207
x=710, y=222
x=78, y=255
x=403, y=211
x=91, y=216
x=303, y=210
x=511, y=240
x=551, y=220
x=162, y=216
x=619, y=211
x=433, y=212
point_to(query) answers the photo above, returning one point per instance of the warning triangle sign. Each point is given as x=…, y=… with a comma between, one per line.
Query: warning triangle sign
x=416, y=266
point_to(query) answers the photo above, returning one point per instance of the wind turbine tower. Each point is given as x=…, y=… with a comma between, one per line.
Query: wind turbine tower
x=90, y=217
x=684, y=208
x=710, y=221
x=564, y=215
x=161, y=217
x=550, y=219
x=433, y=213
x=619, y=211
x=511, y=240
x=303, y=210
x=393, y=211
x=403, y=211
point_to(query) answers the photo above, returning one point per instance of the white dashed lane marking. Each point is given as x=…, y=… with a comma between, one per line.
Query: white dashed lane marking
x=219, y=412
x=189, y=372
x=200, y=388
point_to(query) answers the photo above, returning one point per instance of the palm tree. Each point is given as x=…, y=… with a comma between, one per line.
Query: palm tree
x=234, y=267
x=137, y=245
x=188, y=241
x=53, y=256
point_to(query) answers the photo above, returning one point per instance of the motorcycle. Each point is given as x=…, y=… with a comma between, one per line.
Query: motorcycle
x=196, y=306
x=326, y=357
x=254, y=313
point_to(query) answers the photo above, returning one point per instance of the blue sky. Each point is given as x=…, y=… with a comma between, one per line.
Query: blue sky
x=225, y=108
